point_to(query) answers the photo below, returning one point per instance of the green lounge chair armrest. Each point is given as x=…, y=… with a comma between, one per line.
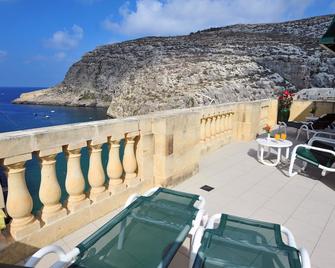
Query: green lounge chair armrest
x=309, y=147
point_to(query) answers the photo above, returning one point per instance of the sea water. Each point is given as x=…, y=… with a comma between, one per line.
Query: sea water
x=19, y=117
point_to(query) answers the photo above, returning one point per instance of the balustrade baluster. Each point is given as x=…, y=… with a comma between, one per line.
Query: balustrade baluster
x=129, y=161
x=75, y=182
x=19, y=202
x=114, y=167
x=202, y=130
x=217, y=125
x=96, y=174
x=213, y=124
x=230, y=125
x=222, y=134
x=50, y=191
x=226, y=127
x=208, y=128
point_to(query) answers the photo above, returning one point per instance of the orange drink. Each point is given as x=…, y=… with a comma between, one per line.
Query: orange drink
x=283, y=136
x=277, y=136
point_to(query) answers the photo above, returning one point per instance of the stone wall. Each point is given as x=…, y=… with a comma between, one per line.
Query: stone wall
x=300, y=109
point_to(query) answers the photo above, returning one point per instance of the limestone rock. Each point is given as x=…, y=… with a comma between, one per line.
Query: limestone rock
x=234, y=63
x=316, y=94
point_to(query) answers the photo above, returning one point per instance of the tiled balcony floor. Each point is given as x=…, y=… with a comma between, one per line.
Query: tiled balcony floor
x=244, y=187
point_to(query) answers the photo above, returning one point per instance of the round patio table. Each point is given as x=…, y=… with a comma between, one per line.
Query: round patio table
x=269, y=143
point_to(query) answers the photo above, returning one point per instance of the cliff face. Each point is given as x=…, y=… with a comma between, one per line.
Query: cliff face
x=234, y=63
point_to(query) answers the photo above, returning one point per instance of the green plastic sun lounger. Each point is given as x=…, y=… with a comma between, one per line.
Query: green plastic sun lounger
x=319, y=152
x=239, y=242
x=146, y=233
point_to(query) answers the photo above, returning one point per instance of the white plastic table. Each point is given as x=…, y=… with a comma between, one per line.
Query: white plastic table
x=311, y=118
x=272, y=143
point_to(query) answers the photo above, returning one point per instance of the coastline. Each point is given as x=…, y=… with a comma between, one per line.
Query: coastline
x=29, y=115
x=51, y=97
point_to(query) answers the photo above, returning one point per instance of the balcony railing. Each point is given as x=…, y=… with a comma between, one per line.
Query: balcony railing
x=157, y=149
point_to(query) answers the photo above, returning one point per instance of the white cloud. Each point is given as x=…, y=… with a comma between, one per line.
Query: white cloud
x=169, y=17
x=66, y=39
x=36, y=58
x=60, y=56
x=3, y=55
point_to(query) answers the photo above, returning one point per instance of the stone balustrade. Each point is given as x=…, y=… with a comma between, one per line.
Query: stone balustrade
x=144, y=151
x=264, y=116
x=217, y=127
x=221, y=124
x=46, y=143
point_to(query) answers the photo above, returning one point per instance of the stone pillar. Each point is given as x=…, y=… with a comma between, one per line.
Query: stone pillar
x=129, y=161
x=75, y=182
x=230, y=124
x=19, y=202
x=222, y=130
x=218, y=125
x=114, y=167
x=208, y=128
x=213, y=124
x=50, y=191
x=226, y=124
x=96, y=174
x=231, y=120
x=202, y=130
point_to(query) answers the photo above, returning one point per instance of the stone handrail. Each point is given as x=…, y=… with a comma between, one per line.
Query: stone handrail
x=46, y=143
x=160, y=149
x=224, y=123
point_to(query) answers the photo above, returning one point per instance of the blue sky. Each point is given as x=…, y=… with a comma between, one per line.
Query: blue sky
x=41, y=39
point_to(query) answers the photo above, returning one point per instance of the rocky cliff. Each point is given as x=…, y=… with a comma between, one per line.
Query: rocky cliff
x=234, y=63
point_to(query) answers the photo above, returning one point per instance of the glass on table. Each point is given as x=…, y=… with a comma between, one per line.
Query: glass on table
x=277, y=136
x=283, y=136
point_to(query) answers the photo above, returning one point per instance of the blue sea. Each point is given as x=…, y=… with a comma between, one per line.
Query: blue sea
x=18, y=117
x=21, y=116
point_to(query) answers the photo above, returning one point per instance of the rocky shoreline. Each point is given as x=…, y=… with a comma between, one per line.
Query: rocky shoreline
x=51, y=97
x=233, y=63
